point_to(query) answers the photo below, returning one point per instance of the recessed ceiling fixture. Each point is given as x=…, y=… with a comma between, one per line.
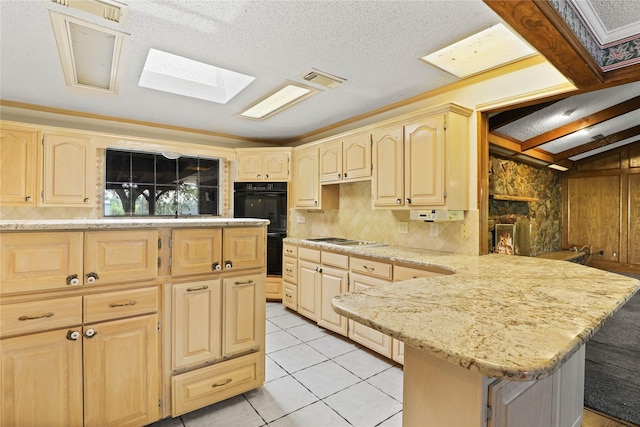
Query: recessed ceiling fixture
x=324, y=79
x=89, y=53
x=183, y=76
x=569, y=112
x=488, y=49
x=283, y=97
x=558, y=167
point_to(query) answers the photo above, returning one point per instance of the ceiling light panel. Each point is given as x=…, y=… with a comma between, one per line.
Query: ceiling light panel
x=89, y=53
x=284, y=97
x=494, y=47
x=176, y=74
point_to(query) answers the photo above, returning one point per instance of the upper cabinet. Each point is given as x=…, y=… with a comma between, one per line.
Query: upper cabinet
x=346, y=159
x=423, y=163
x=263, y=165
x=307, y=192
x=18, y=160
x=69, y=166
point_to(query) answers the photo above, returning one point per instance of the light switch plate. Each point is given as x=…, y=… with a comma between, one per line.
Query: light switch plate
x=300, y=219
x=433, y=231
x=403, y=227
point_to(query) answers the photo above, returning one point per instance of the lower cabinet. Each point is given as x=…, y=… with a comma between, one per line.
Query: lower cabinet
x=333, y=282
x=369, y=337
x=309, y=289
x=217, y=336
x=104, y=374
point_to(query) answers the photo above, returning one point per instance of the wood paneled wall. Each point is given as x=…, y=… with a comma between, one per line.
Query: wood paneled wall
x=601, y=208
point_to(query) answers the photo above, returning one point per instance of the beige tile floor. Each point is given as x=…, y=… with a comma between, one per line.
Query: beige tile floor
x=313, y=378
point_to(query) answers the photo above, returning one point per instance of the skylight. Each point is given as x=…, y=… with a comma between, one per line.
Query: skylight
x=283, y=97
x=488, y=49
x=183, y=76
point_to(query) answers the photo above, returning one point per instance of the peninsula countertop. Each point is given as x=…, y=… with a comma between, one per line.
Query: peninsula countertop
x=503, y=316
x=127, y=222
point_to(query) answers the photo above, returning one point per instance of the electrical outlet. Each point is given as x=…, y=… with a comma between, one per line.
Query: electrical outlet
x=300, y=219
x=433, y=231
x=466, y=230
x=403, y=227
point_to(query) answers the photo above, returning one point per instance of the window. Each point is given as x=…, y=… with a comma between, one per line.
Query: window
x=148, y=184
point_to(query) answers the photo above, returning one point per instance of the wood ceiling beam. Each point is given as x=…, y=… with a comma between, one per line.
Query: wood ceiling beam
x=511, y=116
x=585, y=122
x=599, y=143
x=544, y=29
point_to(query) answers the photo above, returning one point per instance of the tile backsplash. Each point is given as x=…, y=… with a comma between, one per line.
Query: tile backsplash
x=356, y=219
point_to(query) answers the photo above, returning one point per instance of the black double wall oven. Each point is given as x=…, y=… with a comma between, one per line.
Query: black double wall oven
x=265, y=200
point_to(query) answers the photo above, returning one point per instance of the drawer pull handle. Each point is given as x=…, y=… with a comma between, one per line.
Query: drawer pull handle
x=369, y=268
x=246, y=282
x=227, y=381
x=289, y=270
x=42, y=316
x=201, y=288
x=123, y=304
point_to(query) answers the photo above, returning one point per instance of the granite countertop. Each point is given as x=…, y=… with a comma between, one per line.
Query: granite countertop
x=563, y=255
x=503, y=316
x=124, y=223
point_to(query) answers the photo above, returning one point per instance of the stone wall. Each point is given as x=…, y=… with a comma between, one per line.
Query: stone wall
x=538, y=222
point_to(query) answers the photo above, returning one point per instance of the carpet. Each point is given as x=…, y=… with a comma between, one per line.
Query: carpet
x=612, y=366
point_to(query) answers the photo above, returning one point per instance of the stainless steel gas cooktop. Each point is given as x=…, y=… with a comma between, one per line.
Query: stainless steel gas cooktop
x=340, y=241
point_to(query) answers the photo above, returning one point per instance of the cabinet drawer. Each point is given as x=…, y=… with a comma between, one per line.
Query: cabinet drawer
x=290, y=269
x=202, y=387
x=289, y=250
x=309, y=254
x=113, y=305
x=372, y=268
x=335, y=260
x=26, y=317
x=290, y=296
x=405, y=273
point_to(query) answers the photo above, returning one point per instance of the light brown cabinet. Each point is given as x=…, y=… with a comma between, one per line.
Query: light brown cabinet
x=290, y=276
x=69, y=166
x=196, y=333
x=309, y=283
x=18, y=166
x=243, y=248
x=307, y=191
x=263, y=166
x=333, y=282
x=92, y=374
x=346, y=159
x=243, y=314
x=423, y=163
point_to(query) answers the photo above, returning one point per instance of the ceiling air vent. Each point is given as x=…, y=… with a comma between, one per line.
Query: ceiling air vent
x=324, y=79
x=105, y=9
x=597, y=137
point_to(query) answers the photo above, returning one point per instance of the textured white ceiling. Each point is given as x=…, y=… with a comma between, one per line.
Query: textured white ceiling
x=372, y=44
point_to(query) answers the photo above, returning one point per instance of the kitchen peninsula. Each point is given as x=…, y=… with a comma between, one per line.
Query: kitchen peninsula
x=503, y=331
x=125, y=321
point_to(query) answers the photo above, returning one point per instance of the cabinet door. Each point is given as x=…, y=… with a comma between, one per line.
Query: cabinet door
x=124, y=255
x=397, y=351
x=388, y=167
x=249, y=167
x=196, y=317
x=369, y=337
x=69, y=170
x=308, y=289
x=424, y=162
x=518, y=404
x=39, y=261
x=196, y=251
x=275, y=166
x=306, y=184
x=356, y=157
x=331, y=161
x=333, y=282
x=244, y=313
x=41, y=380
x=18, y=160
x=243, y=248
x=121, y=372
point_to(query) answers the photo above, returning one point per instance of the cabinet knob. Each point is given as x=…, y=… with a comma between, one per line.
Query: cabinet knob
x=216, y=266
x=315, y=202
x=259, y=176
x=398, y=201
x=86, y=200
x=408, y=201
x=73, y=280
x=345, y=174
x=73, y=335
x=338, y=176
x=28, y=199
x=92, y=277
x=228, y=265
x=90, y=333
